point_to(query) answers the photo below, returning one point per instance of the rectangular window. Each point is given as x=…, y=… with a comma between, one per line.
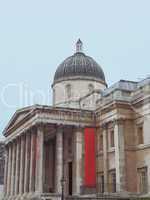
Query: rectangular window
x=69, y=145
x=112, y=141
x=140, y=134
x=112, y=181
x=102, y=183
x=143, y=180
x=101, y=142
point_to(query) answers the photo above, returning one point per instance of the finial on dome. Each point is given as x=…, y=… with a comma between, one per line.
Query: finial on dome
x=79, y=46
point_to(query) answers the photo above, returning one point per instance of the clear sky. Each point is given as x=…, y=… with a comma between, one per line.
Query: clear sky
x=37, y=35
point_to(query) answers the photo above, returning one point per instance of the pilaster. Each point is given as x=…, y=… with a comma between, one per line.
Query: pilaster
x=105, y=156
x=119, y=155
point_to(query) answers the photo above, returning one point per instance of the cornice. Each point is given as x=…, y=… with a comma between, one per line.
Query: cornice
x=47, y=115
x=77, y=78
x=137, y=147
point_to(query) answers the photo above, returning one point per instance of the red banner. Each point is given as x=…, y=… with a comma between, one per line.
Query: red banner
x=90, y=158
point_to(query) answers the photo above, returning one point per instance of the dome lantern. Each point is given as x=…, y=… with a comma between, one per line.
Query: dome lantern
x=79, y=46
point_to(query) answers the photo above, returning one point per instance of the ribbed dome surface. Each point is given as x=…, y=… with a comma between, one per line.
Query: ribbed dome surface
x=79, y=65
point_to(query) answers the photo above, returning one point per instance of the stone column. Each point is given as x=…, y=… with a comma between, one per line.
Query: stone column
x=13, y=168
x=59, y=160
x=119, y=156
x=6, y=169
x=77, y=168
x=32, y=162
x=9, y=171
x=27, y=163
x=22, y=162
x=39, y=159
x=17, y=173
x=105, y=158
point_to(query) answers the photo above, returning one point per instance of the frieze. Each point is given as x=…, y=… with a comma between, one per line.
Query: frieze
x=41, y=119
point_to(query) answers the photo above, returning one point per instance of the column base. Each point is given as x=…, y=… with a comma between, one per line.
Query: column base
x=88, y=190
x=25, y=196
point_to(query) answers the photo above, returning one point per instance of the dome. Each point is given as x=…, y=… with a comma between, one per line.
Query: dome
x=79, y=65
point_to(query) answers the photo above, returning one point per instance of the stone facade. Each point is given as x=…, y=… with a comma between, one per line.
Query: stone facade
x=79, y=89
x=49, y=148
x=42, y=149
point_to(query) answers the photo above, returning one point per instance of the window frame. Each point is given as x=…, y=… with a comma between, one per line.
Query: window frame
x=90, y=87
x=142, y=185
x=112, y=181
x=68, y=90
x=140, y=134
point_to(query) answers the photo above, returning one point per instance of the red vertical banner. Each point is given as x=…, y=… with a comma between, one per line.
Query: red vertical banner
x=90, y=158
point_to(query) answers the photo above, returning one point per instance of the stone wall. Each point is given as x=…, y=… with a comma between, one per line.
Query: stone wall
x=79, y=88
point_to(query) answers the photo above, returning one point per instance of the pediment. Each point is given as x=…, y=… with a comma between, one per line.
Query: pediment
x=18, y=117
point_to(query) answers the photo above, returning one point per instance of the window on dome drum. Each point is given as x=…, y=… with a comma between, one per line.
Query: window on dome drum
x=91, y=87
x=140, y=134
x=112, y=181
x=142, y=180
x=68, y=90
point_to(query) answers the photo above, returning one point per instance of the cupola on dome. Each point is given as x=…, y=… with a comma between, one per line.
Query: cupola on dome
x=79, y=65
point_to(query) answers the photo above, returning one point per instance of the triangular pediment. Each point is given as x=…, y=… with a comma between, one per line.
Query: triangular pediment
x=17, y=117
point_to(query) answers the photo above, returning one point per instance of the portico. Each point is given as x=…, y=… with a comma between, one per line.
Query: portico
x=45, y=152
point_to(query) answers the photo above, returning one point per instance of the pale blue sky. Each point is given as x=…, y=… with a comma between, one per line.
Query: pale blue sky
x=36, y=35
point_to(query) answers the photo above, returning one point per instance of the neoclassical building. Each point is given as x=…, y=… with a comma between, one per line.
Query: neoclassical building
x=93, y=140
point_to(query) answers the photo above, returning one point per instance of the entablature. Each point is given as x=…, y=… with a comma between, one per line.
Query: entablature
x=47, y=115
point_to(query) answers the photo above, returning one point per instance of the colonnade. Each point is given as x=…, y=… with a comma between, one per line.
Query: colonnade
x=24, y=163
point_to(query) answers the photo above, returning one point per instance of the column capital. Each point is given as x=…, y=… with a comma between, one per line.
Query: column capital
x=40, y=125
x=60, y=128
x=104, y=125
x=119, y=121
x=79, y=129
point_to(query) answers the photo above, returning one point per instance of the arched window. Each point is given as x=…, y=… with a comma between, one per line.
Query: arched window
x=91, y=87
x=68, y=90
